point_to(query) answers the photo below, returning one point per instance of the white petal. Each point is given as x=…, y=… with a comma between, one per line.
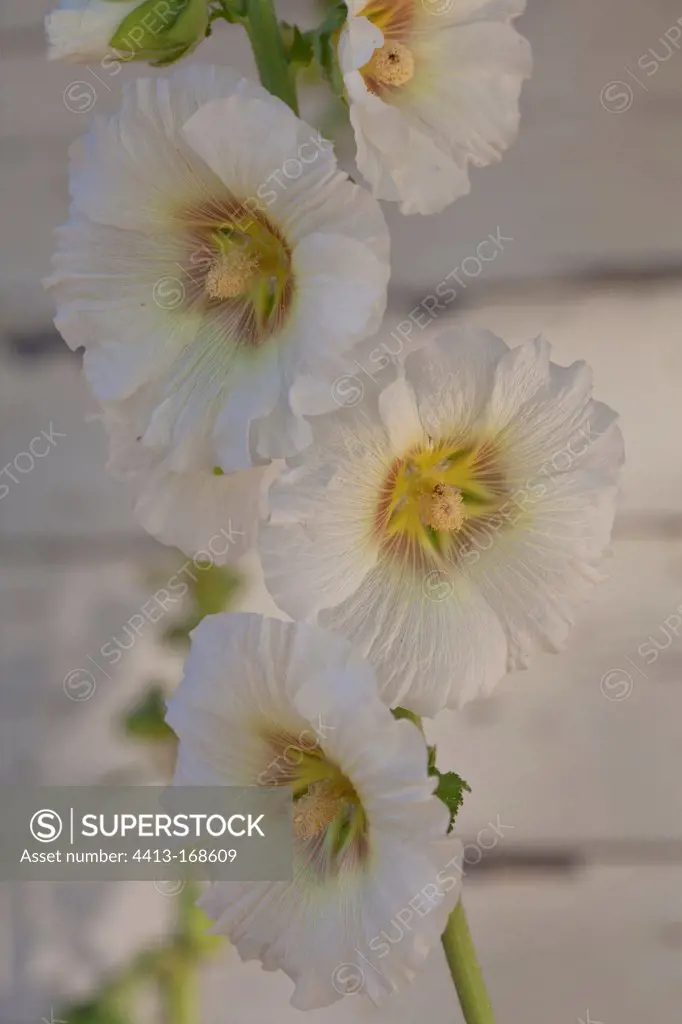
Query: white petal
x=283, y=433
x=398, y=159
x=316, y=547
x=135, y=167
x=468, y=95
x=340, y=293
x=452, y=381
x=359, y=39
x=400, y=416
x=210, y=517
x=463, y=11
x=520, y=375
x=257, y=135
x=433, y=640
x=536, y=577
x=83, y=32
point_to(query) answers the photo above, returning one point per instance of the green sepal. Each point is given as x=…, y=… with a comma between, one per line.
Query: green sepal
x=399, y=713
x=143, y=35
x=298, y=46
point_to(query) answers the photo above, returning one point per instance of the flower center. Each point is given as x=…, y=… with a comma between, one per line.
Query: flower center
x=327, y=807
x=317, y=809
x=239, y=269
x=391, y=64
x=434, y=495
x=231, y=274
x=443, y=508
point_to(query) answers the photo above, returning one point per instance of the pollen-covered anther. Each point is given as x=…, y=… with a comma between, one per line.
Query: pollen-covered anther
x=391, y=64
x=315, y=810
x=230, y=275
x=443, y=508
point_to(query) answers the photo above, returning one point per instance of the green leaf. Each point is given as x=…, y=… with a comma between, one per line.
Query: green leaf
x=214, y=589
x=147, y=720
x=212, y=592
x=451, y=789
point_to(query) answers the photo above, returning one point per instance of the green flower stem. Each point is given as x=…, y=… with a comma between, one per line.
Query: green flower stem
x=465, y=970
x=179, y=992
x=268, y=50
x=177, y=969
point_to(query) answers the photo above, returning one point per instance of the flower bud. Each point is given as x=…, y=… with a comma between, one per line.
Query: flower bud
x=158, y=31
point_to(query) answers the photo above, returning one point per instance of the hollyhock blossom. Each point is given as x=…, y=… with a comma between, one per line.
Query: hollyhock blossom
x=273, y=703
x=455, y=532
x=216, y=261
x=433, y=86
x=159, y=31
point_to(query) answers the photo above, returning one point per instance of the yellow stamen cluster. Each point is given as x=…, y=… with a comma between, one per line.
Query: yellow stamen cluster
x=230, y=275
x=443, y=508
x=391, y=64
x=317, y=809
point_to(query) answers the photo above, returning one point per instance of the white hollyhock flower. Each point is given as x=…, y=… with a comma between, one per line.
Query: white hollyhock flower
x=433, y=86
x=455, y=532
x=218, y=258
x=265, y=702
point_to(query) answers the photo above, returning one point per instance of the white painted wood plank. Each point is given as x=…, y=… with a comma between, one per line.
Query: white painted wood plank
x=586, y=745
x=66, y=491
